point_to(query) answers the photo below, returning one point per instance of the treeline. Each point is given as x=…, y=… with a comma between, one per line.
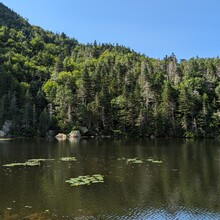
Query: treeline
x=51, y=82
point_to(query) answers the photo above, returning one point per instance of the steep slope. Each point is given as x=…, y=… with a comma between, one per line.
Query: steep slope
x=11, y=19
x=51, y=82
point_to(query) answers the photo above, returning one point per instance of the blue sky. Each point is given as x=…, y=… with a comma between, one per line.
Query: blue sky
x=156, y=28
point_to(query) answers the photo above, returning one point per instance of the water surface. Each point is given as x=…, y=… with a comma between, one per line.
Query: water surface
x=186, y=185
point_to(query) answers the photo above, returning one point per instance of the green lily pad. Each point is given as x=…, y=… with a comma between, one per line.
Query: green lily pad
x=13, y=164
x=68, y=159
x=138, y=161
x=39, y=160
x=154, y=161
x=150, y=159
x=157, y=161
x=134, y=161
x=30, y=162
x=122, y=158
x=22, y=164
x=86, y=180
x=6, y=139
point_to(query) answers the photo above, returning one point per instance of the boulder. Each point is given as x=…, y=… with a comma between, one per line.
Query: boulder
x=83, y=130
x=7, y=126
x=74, y=134
x=60, y=136
x=152, y=136
x=50, y=134
x=2, y=134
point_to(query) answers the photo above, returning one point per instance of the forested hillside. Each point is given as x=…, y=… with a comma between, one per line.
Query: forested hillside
x=52, y=82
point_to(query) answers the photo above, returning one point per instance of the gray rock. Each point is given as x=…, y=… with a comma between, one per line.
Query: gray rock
x=83, y=130
x=74, y=134
x=152, y=136
x=2, y=134
x=7, y=126
x=50, y=134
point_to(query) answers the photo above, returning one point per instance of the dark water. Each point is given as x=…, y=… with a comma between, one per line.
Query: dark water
x=185, y=186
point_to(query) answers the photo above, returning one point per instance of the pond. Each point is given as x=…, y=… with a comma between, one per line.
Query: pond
x=109, y=179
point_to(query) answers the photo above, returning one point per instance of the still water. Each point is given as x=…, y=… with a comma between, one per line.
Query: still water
x=184, y=185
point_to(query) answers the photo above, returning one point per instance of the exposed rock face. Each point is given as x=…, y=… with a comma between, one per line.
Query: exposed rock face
x=74, y=134
x=172, y=69
x=60, y=136
x=2, y=134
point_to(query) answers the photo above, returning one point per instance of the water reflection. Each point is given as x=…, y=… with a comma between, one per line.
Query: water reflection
x=185, y=186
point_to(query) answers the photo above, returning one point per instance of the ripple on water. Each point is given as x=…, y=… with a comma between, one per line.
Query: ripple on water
x=161, y=214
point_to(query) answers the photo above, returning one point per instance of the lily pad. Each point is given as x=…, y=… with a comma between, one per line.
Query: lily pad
x=68, y=159
x=6, y=139
x=14, y=164
x=30, y=162
x=154, y=161
x=150, y=159
x=134, y=161
x=157, y=161
x=86, y=180
x=22, y=164
x=138, y=161
x=122, y=158
x=39, y=160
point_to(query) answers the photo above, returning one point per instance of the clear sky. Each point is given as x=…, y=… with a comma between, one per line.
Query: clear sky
x=156, y=28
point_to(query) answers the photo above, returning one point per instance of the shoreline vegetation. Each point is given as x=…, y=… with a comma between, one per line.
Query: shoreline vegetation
x=50, y=84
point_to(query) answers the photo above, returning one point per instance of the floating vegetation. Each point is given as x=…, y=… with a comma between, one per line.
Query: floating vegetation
x=6, y=139
x=139, y=161
x=122, y=158
x=30, y=162
x=154, y=161
x=22, y=164
x=39, y=160
x=13, y=164
x=157, y=161
x=27, y=206
x=86, y=180
x=68, y=159
x=134, y=160
x=150, y=159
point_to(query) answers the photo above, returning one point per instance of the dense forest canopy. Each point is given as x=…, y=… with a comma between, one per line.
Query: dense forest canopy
x=52, y=82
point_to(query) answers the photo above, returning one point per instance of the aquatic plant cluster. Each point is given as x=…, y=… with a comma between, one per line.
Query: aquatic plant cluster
x=139, y=161
x=86, y=180
x=30, y=162
x=68, y=159
x=37, y=162
x=82, y=180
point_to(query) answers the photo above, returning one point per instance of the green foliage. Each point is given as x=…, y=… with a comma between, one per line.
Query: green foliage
x=49, y=81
